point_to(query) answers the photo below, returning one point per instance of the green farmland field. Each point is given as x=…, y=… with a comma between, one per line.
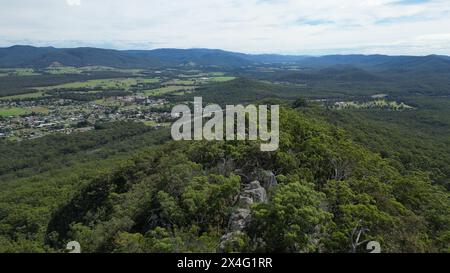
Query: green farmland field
x=166, y=90
x=12, y=111
x=105, y=84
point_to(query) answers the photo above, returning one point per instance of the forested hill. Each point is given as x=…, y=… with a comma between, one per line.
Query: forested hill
x=38, y=57
x=312, y=194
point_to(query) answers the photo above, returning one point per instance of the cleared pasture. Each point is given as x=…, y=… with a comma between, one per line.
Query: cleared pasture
x=13, y=111
x=121, y=83
x=166, y=90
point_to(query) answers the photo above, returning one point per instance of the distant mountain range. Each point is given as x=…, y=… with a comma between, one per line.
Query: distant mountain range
x=40, y=57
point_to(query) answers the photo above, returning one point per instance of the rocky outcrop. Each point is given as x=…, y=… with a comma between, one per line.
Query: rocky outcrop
x=239, y=219
x=245, y=202
x=252, y=193
x=256, y=192
x=266, y=178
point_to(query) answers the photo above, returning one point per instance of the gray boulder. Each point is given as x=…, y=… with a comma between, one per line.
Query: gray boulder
x=268, y=179
x=245, y=202
x=256, y=192
x=239, y=219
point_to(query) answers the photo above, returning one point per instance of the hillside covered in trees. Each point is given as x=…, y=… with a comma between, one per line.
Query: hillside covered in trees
x=314, y=194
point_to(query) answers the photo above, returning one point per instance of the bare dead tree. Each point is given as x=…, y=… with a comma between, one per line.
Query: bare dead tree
x=355, y=236
x=341, y=167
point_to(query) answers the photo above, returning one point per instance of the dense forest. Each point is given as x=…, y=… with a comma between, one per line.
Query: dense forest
x=38, y=176
x=312, y=195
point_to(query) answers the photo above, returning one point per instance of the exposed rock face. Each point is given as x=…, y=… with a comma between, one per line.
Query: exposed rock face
x=229, y=240
x=252, y=193
x=239, y=219
x=268, y=179
x=256, y=192
x=245, y=202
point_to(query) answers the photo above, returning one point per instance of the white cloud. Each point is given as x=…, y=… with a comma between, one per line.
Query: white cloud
x=282, y=26
x=73, y=2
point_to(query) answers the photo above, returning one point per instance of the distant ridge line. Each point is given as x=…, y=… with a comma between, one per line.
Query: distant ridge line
x=41, y=57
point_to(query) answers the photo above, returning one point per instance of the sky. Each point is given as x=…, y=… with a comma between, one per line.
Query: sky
x=302, y=27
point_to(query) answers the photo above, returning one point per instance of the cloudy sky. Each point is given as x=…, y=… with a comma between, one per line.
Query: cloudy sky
x=413, y=27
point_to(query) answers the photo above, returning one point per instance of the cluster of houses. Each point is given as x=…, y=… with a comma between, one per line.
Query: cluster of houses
x=66, y=116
